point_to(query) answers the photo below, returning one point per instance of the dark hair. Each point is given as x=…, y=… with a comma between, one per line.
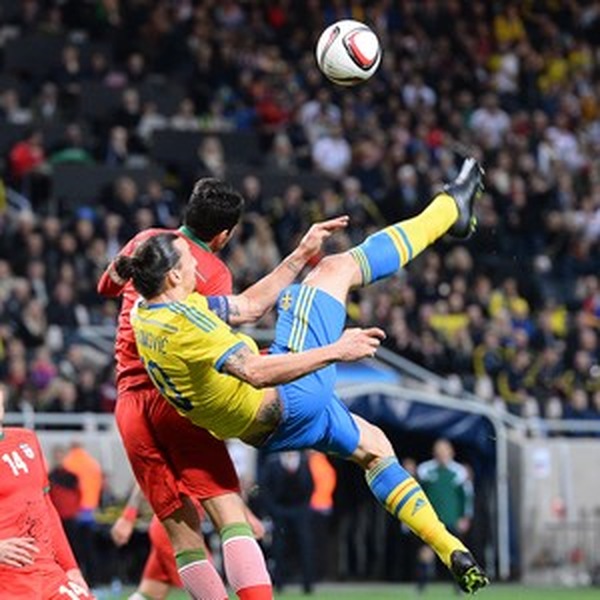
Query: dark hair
x=149, y=264
x=214, y=206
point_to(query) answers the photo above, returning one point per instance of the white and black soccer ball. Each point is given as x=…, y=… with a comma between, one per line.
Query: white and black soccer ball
x=348, y=52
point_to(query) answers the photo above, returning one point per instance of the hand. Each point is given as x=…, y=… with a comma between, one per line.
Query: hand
x=258, y=529
x=121, y=531
x=359, y=343
x=312, y=242
x=18, y=551
x=76, y=577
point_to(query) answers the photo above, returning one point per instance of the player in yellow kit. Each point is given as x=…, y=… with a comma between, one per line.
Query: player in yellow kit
x=215, y=376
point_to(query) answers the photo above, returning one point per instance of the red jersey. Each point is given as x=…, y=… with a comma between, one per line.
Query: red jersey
x=212, y=278
x=23, y=487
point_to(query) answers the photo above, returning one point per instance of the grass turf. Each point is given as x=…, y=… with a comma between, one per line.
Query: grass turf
x=361, y=591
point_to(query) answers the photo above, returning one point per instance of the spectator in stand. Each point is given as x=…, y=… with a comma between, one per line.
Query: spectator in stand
x=27, y=166
x=185, y=119
x=11, y=109
x=450, y=490
x=89, y=474
x=288, y=487
x=65, y=493
x=324, y=479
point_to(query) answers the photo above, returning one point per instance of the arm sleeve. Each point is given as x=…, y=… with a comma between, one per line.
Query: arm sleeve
x=220, y=306
x=107, y=285
x=209, y=338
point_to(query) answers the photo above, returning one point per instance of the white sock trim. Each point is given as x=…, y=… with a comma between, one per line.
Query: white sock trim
x=192, y=564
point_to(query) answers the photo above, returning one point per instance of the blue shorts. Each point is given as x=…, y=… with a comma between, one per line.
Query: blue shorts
x=313, y=415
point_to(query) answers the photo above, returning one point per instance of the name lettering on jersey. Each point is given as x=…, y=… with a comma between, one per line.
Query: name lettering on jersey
x=152, y=342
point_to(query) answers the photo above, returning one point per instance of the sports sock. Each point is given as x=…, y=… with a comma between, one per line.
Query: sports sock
x=199, y=576
x=386, y=251
x=244, y=563
x=138, y=596
x=404, y=498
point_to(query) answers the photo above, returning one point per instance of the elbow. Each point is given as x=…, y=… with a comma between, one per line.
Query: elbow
x=257, y=376
x=258, y=381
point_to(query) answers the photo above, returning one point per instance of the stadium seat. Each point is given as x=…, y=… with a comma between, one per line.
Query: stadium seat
x=76, y=185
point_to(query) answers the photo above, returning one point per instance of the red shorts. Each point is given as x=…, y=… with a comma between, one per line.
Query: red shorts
x=47, y=583
x=169, y=455
x=161, y=565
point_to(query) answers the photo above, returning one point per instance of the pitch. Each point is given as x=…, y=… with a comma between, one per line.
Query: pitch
x=361, y=591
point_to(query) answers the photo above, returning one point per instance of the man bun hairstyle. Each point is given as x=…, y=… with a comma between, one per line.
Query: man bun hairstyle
x=149, y=264
x=213, y=206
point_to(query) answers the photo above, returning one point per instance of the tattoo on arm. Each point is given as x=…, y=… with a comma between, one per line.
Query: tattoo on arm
x=236, y=363
x=234, y=308
x=294, y=266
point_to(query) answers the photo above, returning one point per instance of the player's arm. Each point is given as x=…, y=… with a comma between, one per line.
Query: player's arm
x=274, y=369
x=254, y=302
x=110, y=284
x=122, y=529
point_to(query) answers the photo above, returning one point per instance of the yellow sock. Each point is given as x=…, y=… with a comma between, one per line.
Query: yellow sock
x=431, y=224
x=419, y=516
x=403, y=497
x=386, y=251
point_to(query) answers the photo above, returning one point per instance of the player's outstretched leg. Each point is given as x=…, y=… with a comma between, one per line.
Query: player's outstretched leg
x=451, y=211
x=385, y=252
x=402, y=496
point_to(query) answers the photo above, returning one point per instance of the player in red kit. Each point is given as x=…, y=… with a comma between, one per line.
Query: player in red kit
x=173, y=460
x=35, y=558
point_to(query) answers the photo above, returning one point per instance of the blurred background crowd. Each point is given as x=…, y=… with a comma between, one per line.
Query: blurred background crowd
x=93, y=87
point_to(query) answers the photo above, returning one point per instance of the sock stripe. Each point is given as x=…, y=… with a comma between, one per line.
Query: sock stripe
x=381, y=466
x=406, y=498
x=183, y=568
x=396, y=496
x=406, y=241
x=363, y=264
x=185, y=557
x=235, y=531
x=399, y=243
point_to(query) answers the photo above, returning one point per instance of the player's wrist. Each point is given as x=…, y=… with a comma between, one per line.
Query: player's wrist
x=297, y=260
x=130, y=513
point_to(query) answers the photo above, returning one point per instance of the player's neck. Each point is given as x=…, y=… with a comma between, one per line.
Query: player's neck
x=175, y=294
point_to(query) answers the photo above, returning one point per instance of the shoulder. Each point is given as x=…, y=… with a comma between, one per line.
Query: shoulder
x=426, y=468
x=459, y=471
x=212, y=274
x=142, y=236
x=19, y=433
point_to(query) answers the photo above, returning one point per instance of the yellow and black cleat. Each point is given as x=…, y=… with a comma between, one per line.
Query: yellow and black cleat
x=469, y=576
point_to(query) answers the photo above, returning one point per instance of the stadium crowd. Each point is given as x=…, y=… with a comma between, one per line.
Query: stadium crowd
x=513, y=313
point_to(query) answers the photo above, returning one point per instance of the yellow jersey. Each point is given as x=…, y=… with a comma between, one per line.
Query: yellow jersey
x=183, y=346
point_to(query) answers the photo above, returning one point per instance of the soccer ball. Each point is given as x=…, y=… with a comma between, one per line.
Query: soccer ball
x=348, y=52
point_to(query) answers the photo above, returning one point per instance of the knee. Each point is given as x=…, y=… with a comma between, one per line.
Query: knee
x=373, y=447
